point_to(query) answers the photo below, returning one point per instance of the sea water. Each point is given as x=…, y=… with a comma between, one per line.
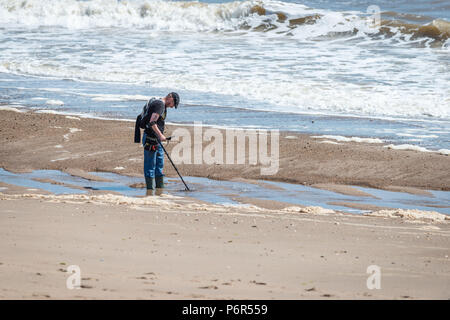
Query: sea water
x=313, y=66
x=229, y=192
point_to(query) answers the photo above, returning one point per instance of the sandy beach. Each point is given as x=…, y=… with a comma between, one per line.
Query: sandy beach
x=312, y=141
x=70, y=143
x=169, y=247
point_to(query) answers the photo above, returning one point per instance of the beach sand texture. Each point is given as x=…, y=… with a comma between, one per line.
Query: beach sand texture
x=170, y=247
x=61, y=143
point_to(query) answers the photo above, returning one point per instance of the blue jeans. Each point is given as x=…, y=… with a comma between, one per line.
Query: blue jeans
x=153, y=161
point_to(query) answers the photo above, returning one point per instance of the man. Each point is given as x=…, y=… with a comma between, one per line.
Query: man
x=154, y=129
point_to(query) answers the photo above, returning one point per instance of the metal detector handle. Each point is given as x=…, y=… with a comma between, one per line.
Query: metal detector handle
x=167, y=154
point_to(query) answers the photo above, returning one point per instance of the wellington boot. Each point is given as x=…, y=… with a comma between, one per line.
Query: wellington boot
x=149, y=183
x=159, y=182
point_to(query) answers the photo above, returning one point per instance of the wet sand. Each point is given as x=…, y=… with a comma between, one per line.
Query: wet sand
x=56, y=142
x=178, y=248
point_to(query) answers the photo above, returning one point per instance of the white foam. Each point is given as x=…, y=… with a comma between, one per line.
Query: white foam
x=346, y=139
x=411, y=215
x=309, y=210
x=172, y=16
x=48, y=111
x=407, y=147
x=119, y=168
x=82, y=115
x=385, y=101
x=239, y=205
x=55, y=102
x=163, y=200
x=66, y=113
x=11, y=108
x=444, y=151
x=329, y=142
x=167, y=202
x=73, y=118
x=159, y=15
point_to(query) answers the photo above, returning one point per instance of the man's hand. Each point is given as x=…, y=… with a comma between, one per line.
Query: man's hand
x=162, y=138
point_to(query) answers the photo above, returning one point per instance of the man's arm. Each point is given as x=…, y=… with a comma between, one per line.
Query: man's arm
x=155, y=128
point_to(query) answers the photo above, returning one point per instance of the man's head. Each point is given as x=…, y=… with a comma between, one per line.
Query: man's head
x=172, y=100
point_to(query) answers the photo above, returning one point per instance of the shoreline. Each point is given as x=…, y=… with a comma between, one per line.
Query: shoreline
x=66, y=143
x=398, y=145
x=171, y=247
x=309, y=133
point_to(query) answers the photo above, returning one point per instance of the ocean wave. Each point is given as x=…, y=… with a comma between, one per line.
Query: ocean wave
x=438, y=30
x=308, y=97
x=342, y=76
x=157, y=14
x=289, y=19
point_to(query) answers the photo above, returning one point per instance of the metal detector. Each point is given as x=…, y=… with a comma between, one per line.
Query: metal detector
x=167, y=154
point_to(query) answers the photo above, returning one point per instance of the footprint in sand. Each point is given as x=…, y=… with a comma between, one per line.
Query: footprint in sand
x=84, y=286
x=40, y=295
x=258, y=283
x=209, y=287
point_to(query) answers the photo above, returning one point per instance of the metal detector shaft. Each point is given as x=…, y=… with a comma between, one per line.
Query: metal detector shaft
x=187, y=188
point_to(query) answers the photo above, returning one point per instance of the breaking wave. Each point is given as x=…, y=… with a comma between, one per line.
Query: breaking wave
x=290, y=19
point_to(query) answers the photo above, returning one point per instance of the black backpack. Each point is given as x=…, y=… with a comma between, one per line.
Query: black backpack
x=142, y=120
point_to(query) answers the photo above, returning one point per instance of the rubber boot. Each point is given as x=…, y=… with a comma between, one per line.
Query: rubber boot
x=149, y=183
x=159, y=182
